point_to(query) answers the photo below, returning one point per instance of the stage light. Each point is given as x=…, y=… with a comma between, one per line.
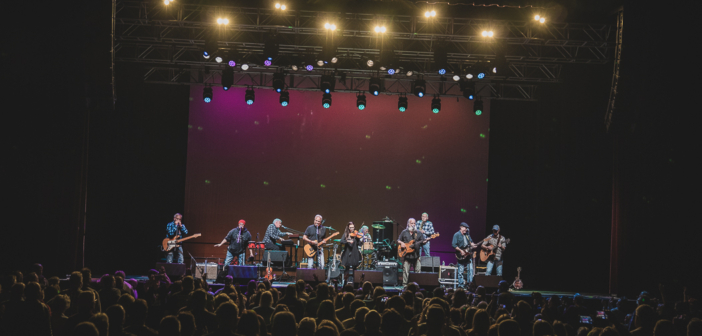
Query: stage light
x=284, y=98
x=267, y=62
x=167, y=2
x=334, y=60
x=427, y=14
x=468, y=89
x=469, y=76
x=294, y=67
x=420, y=88
x=537, y=17
x=542, y=20
x=442, y=71
x=369, y=63
x=330, y=26
x=227, y=78
x=309, y=67
x=391, y=71
x=402, y=104
x=361, y=101
x=488, y=33
x=326, y=100
x=456, y=78
x=436, y=104
x=205, y=55
x=232, y=63
x=283, y=7
x=207, y=94
x=320, y=63
x=478, y=107
x=218, y=59
x=481, y=75
x=244, y=67
x=374, y=86
x=494, y=70
x=409, y=73
x=491, y=33
x=380, y=29
x=278, y=81
x=223, y=21
x=484, y=33
x=433, y=13
x=250, y=96
x=277, y=5
x=327, y=83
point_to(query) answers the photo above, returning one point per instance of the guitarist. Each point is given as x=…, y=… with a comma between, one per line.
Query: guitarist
x=407, y=235
x=494, y=242
x=314, y=234
x=426, y=228
x=238, y=240
x=463, y=245
x=176, y=228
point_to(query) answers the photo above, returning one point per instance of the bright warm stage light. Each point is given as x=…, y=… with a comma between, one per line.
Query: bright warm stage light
x=426, y=14
x=369, y=63
x=333, y=27
x=326, y=25
x=334, y=60
x=167, y=2
x=277, y=5
x=537, y=17
x=491, y=34
x=379, y=29
x=484, y=33
x=542, y=20
x=320, y=63
x=433, y=13
x=294, y=67
x=223, y=21
x=409, y=73
x=330, y=26
x=283, y=7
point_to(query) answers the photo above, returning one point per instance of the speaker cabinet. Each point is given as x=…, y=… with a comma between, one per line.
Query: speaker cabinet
x=210, y=269
x=389, y=270
x=278, y=257
x=375, y=277
x=173, y=270
x=430, y=264
x=487, y=281
x=311, y=275
x=425, y=279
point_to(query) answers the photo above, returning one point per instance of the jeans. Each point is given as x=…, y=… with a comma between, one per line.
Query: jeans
x=320, y=260
x=425, y=248
x=492, y=263
x=178, y=251
x=230, y=257
x=467, y=266
x=406, y=268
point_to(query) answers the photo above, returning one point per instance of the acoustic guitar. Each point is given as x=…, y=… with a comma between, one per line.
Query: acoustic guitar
x=409, y=247
x=168, y=243
x=485, y=254
x=311, y=251
x=517, y=284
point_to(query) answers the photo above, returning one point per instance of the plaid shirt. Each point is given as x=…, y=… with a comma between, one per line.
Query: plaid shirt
x=428, y=227
x=171, y=230
x=272, y=234
x=493, y=242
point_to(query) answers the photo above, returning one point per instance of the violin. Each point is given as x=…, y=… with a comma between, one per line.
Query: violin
x=355, y=234
x=269, y=270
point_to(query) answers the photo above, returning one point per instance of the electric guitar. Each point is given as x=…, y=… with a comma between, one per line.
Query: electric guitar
x=409, y=247
x=485, y=254
x=168, y=243
x=517, y=284
x=311, y=251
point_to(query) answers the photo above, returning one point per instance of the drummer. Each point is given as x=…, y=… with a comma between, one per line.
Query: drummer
x=365, y=235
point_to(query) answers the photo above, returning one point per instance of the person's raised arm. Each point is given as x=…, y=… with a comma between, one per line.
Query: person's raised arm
x=222, y=243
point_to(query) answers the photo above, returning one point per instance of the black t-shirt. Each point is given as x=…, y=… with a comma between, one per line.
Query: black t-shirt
x=232, y=237
x=311, y=233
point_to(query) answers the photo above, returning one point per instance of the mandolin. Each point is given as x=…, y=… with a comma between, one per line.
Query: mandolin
x=517, y=284
x=311, y=251
x=409, y=247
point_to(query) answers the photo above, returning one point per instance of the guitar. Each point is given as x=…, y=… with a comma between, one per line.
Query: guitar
x=485, y=254
x=269, y=270
x=311, y=251
x=168, y=244
x=333, y=271
x=517, y=284
x=409, y=247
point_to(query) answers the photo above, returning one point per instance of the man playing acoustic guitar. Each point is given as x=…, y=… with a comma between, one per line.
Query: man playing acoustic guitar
x=411, y=258
x=496, y=243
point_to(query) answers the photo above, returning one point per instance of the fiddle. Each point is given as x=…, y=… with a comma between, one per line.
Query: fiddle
x=355, y=234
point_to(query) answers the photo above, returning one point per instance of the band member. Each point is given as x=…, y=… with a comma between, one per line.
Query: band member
x=426, y=228
x=351, y=254
x=407, y=235
x=238, y=240
x=316, y=232
x=365, y=235
x=464, y=245
x=497, y=243
x=273, y=233
x=176, y=228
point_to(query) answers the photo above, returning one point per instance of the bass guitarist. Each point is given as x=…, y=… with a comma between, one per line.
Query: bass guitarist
x=411, y=258
x=496, y=243
x=176, y=228
x=314, y=234
x=464, y=245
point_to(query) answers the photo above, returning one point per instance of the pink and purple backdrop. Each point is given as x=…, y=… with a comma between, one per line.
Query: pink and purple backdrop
x=265, y=161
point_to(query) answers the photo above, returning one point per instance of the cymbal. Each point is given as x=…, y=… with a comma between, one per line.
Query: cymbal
x=336, y=240
x=378, y=226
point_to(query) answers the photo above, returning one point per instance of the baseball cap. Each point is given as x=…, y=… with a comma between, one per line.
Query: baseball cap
x=495, y=227
x=241, y=221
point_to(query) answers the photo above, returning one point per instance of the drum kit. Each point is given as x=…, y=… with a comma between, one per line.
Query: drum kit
x=372, y=251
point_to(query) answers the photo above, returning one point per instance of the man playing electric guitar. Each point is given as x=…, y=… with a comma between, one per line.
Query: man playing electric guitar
x=411, y=258
x=314, y=235
x=495, y=243
x=463, y=245
x=176, y=228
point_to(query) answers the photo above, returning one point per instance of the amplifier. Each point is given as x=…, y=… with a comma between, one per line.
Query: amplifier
x=209, y=268
x=389, y=269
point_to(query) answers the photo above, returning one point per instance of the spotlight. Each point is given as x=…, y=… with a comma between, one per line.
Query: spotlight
x=334, y=60
x=250, y=96
x=309, y=67
x=494, y=70
x=409, y=73
x=468, y=89
x=442, y=71
x=167, y=2
x=537, y=17
x=380, y=29
x=223, y=21
x=481, y=75
x=433, y=13
x=277, y=5
x=294, y=67
x=382, y=68
x=402, y=104
x=420, y=88
x=232, y=63
x=267, y=62
x=330, y=26
x=326, y=100
x=278, y=81
x=320, y=63
x=206, y=55
x=284, y=98
x=427, y=14
x=436, y=104
x=478, y=107
x=207, y=94
x=244, y=67
x=218, y=59
x=456, y=78
x=469, y=76
x=283, y=7
x=491, y=33
x=369, y=63
x=374, y=86
x=361, y=101
x=227, y=78
x=391, y=71
x=327, y=83
x=488, y=33
x=542, y=20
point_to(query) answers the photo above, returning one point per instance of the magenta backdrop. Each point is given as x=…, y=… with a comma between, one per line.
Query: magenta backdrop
x=266, y=161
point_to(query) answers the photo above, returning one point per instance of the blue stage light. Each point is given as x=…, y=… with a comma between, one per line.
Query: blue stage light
x=481, y=75
x=391, y=71
x=442, y=71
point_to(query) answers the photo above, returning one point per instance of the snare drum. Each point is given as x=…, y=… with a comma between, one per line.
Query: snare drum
x=368, y=247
